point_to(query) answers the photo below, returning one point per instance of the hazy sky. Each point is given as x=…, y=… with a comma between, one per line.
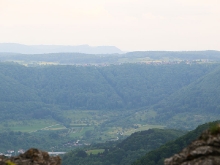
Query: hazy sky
x=127, y=24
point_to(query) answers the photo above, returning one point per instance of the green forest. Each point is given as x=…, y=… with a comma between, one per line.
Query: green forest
x=141, y=148
x=125, y=152
x=125, y=86
x=92, y=110
x=47, y=91
x=156, y=157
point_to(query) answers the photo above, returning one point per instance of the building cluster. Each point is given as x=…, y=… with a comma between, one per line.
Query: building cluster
x=10, y=153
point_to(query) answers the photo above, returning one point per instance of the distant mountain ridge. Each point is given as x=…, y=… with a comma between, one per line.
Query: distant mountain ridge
x=101, y=58
x=42, y=49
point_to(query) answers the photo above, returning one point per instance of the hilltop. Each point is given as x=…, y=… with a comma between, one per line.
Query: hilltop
x=103, y=59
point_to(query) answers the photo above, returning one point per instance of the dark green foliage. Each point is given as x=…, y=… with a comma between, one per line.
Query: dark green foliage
x=170, y=90
x=214, y=129
x=143, y=85
x=45, y=92
x=146, y=139
x=124, y=152
x=194, y=102
x=114, y=87
x=48, y=141
x=81, y=154
x=157, y=156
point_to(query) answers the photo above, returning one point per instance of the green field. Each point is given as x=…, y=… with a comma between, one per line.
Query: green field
x=88, y=125
x=95, y=152
x=28, y=125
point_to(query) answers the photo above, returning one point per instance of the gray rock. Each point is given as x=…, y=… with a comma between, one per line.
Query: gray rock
x=31, y=157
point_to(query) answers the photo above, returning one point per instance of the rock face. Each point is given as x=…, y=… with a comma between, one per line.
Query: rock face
x=204, y=151
x=31, y=157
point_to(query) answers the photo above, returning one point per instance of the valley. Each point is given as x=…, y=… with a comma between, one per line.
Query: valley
x=109, y=82
x=86, y=127
x=63, y=107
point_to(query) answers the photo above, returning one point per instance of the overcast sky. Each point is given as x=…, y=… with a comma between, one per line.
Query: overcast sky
x=127, y=24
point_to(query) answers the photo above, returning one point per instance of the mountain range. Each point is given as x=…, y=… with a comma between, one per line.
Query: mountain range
x=43, y=49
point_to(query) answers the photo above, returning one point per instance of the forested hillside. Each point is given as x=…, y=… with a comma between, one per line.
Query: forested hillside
x=21, y=140
x=157, y=156
x=192, y=102
x=113, y=87
x=123, y=153
x=99, y=103
x=39, y=91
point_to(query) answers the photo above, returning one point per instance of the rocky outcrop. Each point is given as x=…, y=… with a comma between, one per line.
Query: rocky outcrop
x=204, y=151
x=31, y=157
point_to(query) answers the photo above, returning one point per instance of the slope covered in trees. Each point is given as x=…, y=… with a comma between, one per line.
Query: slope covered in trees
x=114, y=87
x=16, y=140
x=192, y=102
x=169, y=91
x=157, y=156
x=124, y=152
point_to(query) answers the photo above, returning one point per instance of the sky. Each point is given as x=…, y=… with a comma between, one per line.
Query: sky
x=127, y=24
